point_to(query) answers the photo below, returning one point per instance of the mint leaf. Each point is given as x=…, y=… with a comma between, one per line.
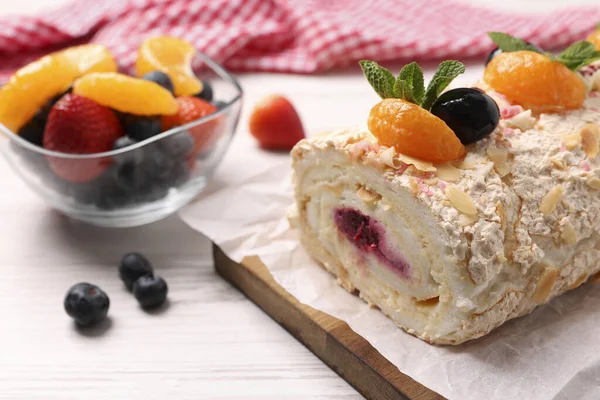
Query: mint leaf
x=380, y=78
x=576, y=54
x=410, y=85
x=446, y=72
x=508, y=43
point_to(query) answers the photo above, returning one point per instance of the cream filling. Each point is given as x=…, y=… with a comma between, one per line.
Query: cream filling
x=422, y=301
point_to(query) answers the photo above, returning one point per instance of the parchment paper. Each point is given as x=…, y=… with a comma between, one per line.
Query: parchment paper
x=553, y=353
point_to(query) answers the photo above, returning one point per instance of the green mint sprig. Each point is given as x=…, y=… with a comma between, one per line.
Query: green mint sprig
x=410, y=85
x=575, y=57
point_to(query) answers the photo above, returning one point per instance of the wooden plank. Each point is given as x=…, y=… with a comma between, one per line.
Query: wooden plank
x=330, y=339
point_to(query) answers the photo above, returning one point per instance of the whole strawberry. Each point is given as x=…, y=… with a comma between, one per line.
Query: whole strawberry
x=275, y=123
x=191, y=109
x=78, y=125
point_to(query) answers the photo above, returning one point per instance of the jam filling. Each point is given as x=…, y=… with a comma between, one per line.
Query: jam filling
x=369, y=237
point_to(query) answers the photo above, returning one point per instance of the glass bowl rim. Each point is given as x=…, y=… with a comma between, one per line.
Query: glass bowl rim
x=216, y=67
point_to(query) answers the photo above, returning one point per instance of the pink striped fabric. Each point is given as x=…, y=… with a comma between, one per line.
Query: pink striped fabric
x=301, y=36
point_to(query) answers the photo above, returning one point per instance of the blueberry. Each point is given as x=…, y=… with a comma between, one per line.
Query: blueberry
x=113, y=199
x=142, y=128
x=219, y=104
x=87, y=304
x=177, y=145
x=161, y=78
x=153, y=192
x=33, y=130
x=132, y=156
x=180, y=174
x=157, y=164
x=496, y=50
x=470, y=113
x=150, y=291
x=129, y=177
x=206, y=93
x=132, y=267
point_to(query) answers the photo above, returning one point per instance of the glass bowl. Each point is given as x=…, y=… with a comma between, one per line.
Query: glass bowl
x=142, y=183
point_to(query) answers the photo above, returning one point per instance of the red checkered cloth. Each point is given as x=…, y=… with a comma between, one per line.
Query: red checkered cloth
x=287, y=35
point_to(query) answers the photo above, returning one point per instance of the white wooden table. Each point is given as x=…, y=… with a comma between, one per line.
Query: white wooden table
x=210, y=343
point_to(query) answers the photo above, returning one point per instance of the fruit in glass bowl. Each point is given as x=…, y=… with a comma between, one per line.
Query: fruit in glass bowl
x=98, y=152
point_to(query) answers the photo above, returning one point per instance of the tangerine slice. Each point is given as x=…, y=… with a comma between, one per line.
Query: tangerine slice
x=594, y=38
x=414, y=131
x=173, y=57
x=535, y=82
x=36, y=83
x=126, y=94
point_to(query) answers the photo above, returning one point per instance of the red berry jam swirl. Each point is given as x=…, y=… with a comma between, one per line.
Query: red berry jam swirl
x=369, y=236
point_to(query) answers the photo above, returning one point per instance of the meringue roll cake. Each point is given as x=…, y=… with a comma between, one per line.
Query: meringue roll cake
x=452, y=229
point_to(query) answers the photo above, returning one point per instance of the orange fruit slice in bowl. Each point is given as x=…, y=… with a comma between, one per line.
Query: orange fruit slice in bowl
x=414, y=131
x=535, y=82
x=172, y=56
x=126, y=94
x=36, y=83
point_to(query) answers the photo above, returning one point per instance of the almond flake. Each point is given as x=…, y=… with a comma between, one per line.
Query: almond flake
x=593, y=182
x=385, y=205
x=431, y=181
x=558, y=163
x=466, y=164
x=523, y=121
x=500, y=159
x=461, y=201
x=502, y=214
x=388, y=157
x=568, y=232
x=448, y=172
x=545, y=285
x=466, y=219
x=414, y=185
x=589, y=140
x=572, y=141
x=366, y=195
x=421, y=165
x=596, y=80
x=551, y=199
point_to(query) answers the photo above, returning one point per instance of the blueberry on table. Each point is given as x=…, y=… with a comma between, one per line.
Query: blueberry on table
x=470, y=113
x=150, y=291
x=206, y=93
x=132, y=267
x=161, y=78
x=87, y=304
x=142, y=128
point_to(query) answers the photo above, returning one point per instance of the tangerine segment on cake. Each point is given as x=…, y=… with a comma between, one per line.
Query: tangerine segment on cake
x=449, y=251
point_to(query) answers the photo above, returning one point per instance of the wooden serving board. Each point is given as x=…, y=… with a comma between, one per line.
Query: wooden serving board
x=330, y=339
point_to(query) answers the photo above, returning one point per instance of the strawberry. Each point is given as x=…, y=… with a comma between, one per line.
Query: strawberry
x=191, y=109
x=275, y=123
x=78, y=125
